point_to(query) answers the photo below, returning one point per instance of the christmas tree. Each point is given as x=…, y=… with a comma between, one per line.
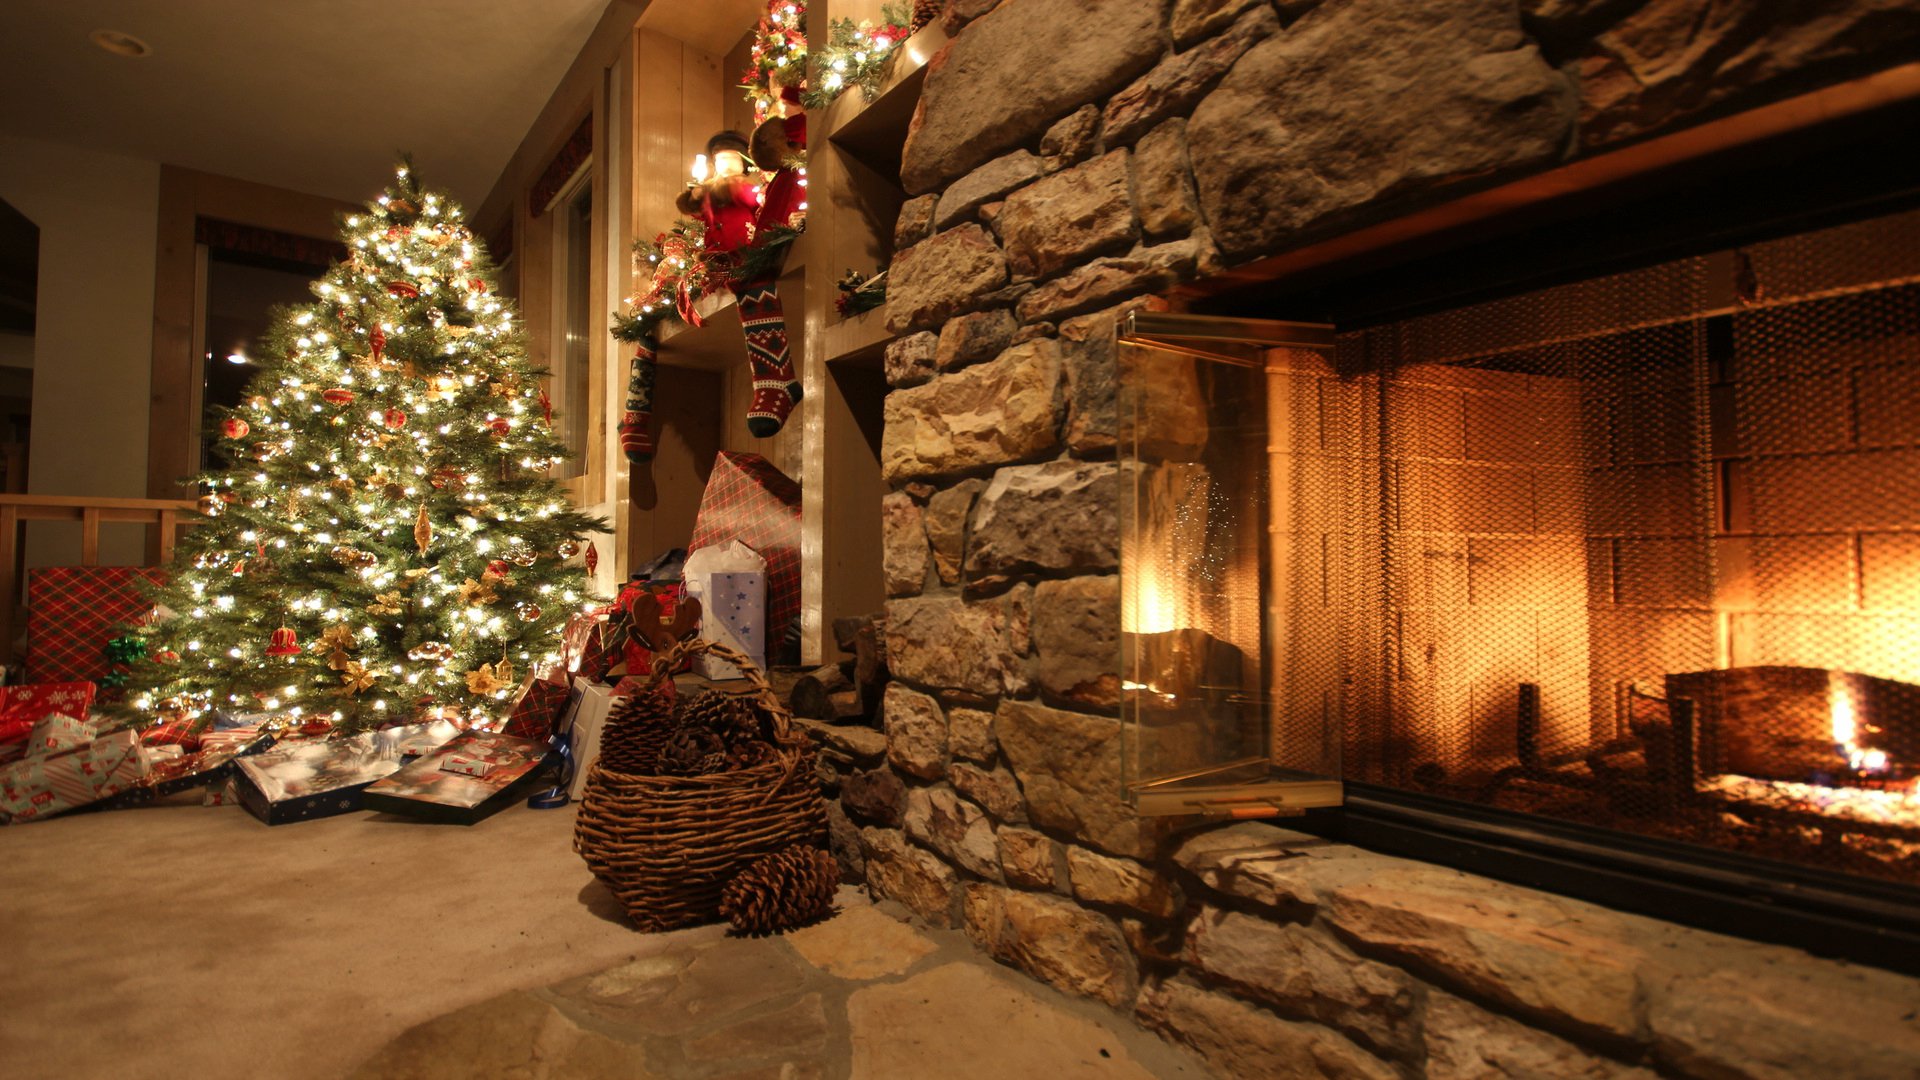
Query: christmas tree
x=386, y=536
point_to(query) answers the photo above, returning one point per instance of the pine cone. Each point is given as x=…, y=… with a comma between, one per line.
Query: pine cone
x=692, y=751
x=781, y=891
x=924, y=12
x=730, y=716
x=636, y=730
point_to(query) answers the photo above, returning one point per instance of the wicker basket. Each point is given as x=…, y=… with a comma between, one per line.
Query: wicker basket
x=667, y=845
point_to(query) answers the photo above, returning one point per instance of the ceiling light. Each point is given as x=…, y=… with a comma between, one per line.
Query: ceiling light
x=120, y=44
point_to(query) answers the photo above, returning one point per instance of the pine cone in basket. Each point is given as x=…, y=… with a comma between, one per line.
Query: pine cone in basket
x=730, y=716
x=781, y=891
x=636, y=729
x=692, y=751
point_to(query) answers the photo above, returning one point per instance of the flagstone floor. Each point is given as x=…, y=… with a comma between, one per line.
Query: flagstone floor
x=862, y=996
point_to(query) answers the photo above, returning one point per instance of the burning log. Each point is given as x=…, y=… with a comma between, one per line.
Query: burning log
x=1801, y=724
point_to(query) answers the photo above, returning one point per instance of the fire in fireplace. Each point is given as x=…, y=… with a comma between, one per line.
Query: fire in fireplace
x=1639, y=552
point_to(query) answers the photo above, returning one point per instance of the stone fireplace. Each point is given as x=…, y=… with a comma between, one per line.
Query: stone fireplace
x=1636, y=551
x=1551, y=549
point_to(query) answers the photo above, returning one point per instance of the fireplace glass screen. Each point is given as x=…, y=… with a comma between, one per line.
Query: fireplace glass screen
x=1639, y=552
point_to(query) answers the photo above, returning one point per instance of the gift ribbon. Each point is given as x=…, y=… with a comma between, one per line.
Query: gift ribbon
x=556, y=796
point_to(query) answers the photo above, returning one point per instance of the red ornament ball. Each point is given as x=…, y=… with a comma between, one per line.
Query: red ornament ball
x=282, y=643
x=499, y=568
x=234, y=428
x=338, y=395
x=499, y=426
x=405, y=290
x=394, y=419
x=167, y=656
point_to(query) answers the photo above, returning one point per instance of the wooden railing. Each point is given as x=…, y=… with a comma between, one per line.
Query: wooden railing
x=164, y=518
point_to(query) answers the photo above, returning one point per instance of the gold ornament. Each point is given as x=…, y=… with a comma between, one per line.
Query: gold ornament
x=568, y=548
x=417, y=573
x=477, y=592
x=436, y=651
x=527, y=612
x=388, y=603
x=211, y=505
x=442, y=388
x=423, y=530
x=521, y=555
x=356, y=677
x=353, y=558
x=336, y=641
x=209, y=560
x=334, y=637
x=485, y=680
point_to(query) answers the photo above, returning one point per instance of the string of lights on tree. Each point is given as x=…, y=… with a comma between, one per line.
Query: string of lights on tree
x=387, y=538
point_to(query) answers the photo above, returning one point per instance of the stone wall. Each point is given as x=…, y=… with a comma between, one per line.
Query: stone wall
x=1071, y=159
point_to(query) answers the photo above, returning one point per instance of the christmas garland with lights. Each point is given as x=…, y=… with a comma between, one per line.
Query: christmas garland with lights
x=779, y=55
x=677, y=271
x=856, y=54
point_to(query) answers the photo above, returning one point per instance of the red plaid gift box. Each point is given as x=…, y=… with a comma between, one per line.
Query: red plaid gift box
x=72, y=611
x=668, y=594
x=749, y=500
x=538, y=711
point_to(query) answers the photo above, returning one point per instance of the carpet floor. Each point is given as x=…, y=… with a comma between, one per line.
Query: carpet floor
x=177, y=940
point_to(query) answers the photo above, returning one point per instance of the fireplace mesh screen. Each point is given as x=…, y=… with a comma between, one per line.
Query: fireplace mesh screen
x=1641, y=551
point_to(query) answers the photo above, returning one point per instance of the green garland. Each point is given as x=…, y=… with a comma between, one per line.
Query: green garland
x=856, y=54
x=677, y=271
x=779, y=54
x=860, y=292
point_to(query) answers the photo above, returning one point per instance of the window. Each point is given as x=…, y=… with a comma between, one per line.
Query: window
x=574, y=327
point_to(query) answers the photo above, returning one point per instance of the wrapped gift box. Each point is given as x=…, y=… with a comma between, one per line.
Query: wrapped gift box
x=72, y=611
x=668, y=595
x=56, y=734
x=586, y=717
x=22, y=707
x=749, y=500
x=602, y=652
x=187, y=771
x=731, y=584
x=303, y=780
x=467, y=766
x=432, y=788
x=39, y=787
x=536, y=714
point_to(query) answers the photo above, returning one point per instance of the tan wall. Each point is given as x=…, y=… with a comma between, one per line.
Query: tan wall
x=97, y=215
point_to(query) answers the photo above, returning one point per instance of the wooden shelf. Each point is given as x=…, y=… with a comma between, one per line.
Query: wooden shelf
x=716, y=344
x=860, y=340
x=876, y=132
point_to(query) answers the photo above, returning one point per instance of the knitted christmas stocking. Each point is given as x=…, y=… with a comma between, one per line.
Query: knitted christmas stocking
x=775, y=388
x=636, y=423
